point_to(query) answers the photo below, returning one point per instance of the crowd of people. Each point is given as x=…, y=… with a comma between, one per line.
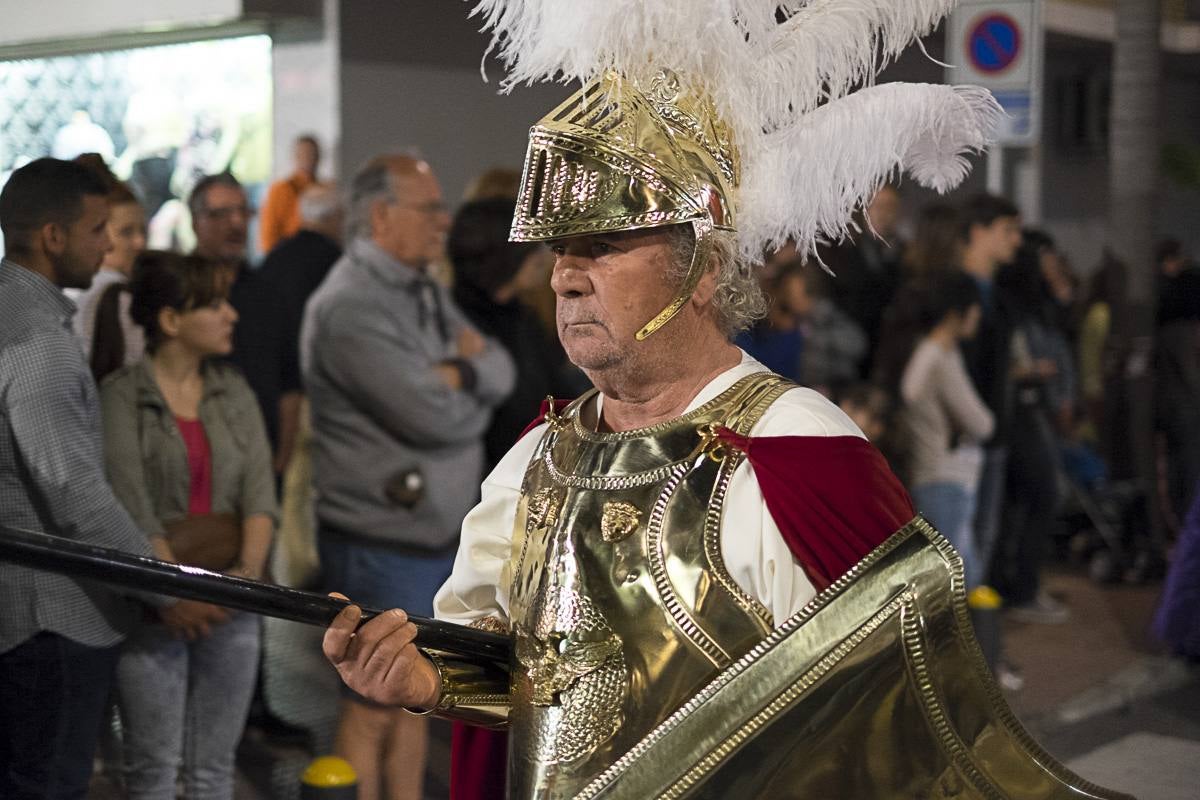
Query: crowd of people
x=414, y=344
x=208, y=372
x=989, y=373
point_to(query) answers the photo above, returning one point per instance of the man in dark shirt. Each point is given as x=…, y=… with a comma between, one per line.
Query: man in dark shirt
x=221, y=219
x=867, y=269
x=288, y=275
x=58, y=637
x=1178, y=283
x=1177, y=372
x=991, y=234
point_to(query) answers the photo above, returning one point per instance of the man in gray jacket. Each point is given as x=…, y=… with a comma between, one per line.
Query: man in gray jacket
x=401, y=389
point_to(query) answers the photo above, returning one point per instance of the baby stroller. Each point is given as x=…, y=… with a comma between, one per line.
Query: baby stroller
x=1105, y=519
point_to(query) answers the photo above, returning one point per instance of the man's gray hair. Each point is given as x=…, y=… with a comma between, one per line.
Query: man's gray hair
x=739, y=300
x=319, y=203
x=372, y=183
x=375, y=180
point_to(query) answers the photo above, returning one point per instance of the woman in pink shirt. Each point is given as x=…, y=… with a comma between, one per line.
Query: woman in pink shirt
x=185, y=445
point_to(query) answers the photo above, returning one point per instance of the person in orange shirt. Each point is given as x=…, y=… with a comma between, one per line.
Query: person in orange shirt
x=280, y=215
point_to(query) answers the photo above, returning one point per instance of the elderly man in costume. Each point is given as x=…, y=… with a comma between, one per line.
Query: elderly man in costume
x=715, y=586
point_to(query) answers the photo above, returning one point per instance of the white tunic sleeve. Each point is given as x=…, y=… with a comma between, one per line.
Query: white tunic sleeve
x=478, y=586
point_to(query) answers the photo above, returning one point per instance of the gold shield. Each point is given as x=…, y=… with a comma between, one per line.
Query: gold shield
x=876, y=689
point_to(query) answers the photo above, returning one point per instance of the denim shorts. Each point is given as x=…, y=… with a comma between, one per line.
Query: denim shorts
x=382, y=577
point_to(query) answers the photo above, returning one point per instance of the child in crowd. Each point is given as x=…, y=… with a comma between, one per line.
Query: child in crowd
x=869, y=406
x=105, y=304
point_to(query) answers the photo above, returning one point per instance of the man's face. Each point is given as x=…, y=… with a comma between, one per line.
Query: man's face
x=884, y=211
x=81, y=248
x=1172, y=265
x=999, y=240
x=306, y=157
x=221, y=225
x=412, y=228
x=794, y=296
x=609, y=286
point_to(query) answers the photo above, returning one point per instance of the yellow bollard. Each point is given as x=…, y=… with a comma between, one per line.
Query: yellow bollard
x=984, y=598
x=329, y=778
x=985, y=603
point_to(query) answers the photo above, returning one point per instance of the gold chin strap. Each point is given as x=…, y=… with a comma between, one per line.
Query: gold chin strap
x=701, y=257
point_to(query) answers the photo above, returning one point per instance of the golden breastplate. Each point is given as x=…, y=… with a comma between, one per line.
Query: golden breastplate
x=620, y=602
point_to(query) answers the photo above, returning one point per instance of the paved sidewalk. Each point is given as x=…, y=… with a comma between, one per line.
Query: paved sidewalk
x=1107, y=633
x=1105, y=699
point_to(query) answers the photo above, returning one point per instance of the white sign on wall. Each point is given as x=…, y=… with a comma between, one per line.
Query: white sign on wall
x=998, y=44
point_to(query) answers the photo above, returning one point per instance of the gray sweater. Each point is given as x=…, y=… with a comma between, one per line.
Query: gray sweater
x=370, y=343
x=943, y=417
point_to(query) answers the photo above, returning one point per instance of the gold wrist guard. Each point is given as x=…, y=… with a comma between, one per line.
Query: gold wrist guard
x=472, y=692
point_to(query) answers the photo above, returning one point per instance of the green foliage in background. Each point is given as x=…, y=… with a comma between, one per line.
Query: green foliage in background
x=1181, y=164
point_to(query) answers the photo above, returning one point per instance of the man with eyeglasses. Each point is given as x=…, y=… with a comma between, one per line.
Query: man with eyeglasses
x=221, y=215
x=402, y=389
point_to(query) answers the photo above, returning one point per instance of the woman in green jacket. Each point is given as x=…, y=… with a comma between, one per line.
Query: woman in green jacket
x=187, y=455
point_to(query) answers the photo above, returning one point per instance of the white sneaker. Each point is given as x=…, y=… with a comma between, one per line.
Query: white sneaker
x=1009, y=677
x=1043, y=610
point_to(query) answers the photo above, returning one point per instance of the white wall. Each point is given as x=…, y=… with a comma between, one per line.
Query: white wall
x=26, y=21
x=410, y=79
x=306, y=70
x=457, y=122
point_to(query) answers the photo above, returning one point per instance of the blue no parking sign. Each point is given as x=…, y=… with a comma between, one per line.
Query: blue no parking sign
x=997, y=44
x=994, y=43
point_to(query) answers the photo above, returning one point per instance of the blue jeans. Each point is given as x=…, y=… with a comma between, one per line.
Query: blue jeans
x=989, y=506
x=383, y=577
x=950, y=507
x=53, y=693
x=185, y=703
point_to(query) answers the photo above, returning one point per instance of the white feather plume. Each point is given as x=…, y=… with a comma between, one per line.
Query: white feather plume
x=805, y=182
x=751, y=64
x=813, y=150
x=829, y=47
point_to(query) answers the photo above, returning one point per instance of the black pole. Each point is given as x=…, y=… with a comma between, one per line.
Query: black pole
x=78, y=560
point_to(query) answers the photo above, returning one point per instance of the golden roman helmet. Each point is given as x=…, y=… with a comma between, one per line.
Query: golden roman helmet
x=622, y=154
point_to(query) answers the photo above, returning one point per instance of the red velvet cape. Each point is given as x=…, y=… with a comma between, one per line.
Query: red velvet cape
x=834, y=499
